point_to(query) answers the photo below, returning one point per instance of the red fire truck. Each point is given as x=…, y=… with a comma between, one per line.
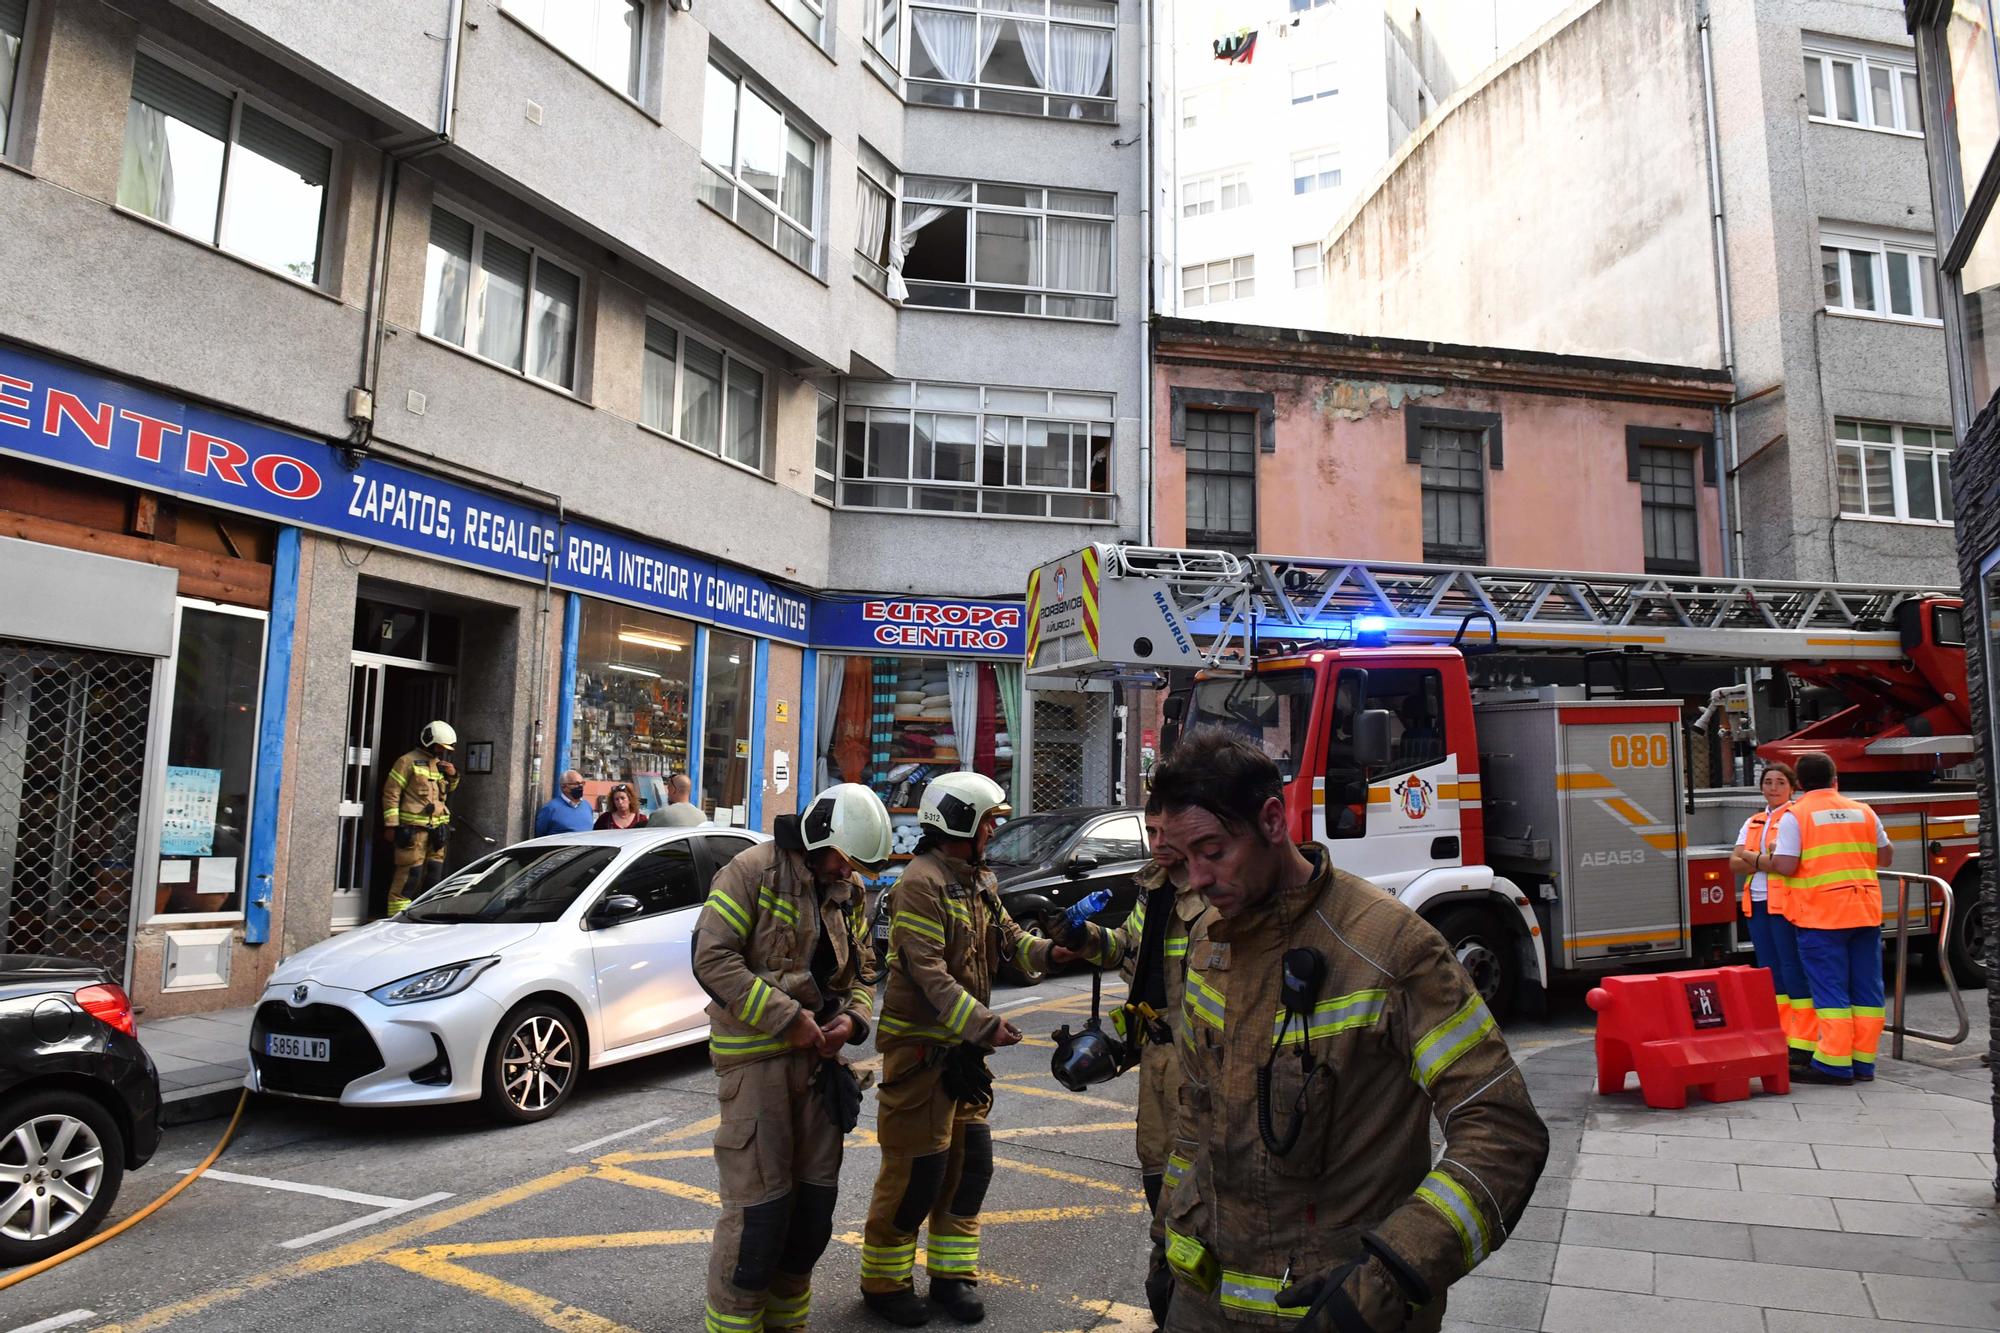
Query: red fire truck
x=1544, y=829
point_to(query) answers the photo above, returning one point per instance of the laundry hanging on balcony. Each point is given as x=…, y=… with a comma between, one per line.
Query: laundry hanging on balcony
x=1237, y=47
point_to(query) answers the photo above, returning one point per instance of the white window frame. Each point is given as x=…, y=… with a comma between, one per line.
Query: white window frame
x=1313, y=269
x=878, y=11
x=1317, y=161
x=1039, y=294
x=1326, y=82
x=870, y=269
x=826, y=473
x=1005, y=97
x=537, y=255
x=683, y=333
x=515, y=11
x=793, y=9
x=19, y=100
x=722, y=189
x=1105, y=500
x=1881, y=253
x=1200, y=278
x=238, y=98
x=1847, y=440
x=1216, y=192
x=1906, y=106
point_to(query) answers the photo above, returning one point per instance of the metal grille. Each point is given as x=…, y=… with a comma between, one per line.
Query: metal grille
x=72, y=775
x=1075, y=760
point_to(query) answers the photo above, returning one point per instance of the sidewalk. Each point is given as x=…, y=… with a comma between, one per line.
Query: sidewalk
x=202, y=1059
x=1830, y=1210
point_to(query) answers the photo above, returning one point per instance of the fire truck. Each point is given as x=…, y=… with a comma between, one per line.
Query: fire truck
x=1546, y=830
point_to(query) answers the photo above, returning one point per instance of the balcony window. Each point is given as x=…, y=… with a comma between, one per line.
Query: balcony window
x=808, y=16
x=1220, y=281
x=826, y=447
x=1035, y=57
x=1004, y=249
x=221, y=170
x=702, y=395
x=13, y=35
x=760, y=167
x=1869, y=276
x=1896, y=472
x=1876, y=91
x=875, y=186
x=500, y=300
x=963, y=449
x=885, y=32
x=606, y=37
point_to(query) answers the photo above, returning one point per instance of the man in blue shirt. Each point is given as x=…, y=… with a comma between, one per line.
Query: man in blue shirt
x=567, y=811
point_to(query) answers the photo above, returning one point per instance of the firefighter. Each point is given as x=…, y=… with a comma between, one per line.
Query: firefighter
x=415, y=817
x=947, y=935
x=1828, y=849
x=1326, y=1025
x=777, y=947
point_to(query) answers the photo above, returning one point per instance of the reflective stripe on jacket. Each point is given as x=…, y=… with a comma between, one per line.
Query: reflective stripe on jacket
x=1835, y=885
x=414, y=785
x=753, y=953
x=1760, y=834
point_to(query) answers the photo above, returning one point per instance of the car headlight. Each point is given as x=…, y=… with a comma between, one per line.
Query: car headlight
x=434, y=984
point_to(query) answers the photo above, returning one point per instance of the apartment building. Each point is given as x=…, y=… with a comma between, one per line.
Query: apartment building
x=643, y=386
x=1780, y=229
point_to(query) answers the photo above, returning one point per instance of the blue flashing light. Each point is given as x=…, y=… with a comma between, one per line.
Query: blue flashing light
x=1371, y=624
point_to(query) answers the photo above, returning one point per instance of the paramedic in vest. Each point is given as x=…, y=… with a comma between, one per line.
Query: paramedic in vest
x=1771, y=932
x=1153, y=946
x=415, y=816
x=947, y=936
x=1319, y=1204
x=777, y=947
x=1828, y=850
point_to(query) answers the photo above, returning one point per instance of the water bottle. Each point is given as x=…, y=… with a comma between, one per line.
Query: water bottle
x=1085, y=908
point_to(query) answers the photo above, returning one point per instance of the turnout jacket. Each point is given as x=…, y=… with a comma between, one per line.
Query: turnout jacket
x=754, y=946
x=1399, y=1035
x=415, y=792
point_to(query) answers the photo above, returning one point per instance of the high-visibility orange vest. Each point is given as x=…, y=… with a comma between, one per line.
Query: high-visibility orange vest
x=1835, y=886
x=1761, y=835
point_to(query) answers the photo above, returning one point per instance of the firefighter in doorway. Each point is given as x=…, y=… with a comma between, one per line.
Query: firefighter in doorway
x=415, y=816
x=947, y=935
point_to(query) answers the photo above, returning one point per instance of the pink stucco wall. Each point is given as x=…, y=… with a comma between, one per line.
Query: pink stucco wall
x=1338, y=483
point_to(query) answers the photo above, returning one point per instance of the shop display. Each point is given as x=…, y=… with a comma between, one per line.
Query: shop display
x=627, y=727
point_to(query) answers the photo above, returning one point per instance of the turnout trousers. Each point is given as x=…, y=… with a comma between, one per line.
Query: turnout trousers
x=778, y=1159
x=419, y=862
x=1193, y=1312
x=1788, y=971
x=1844, y=967
x=937, y=1158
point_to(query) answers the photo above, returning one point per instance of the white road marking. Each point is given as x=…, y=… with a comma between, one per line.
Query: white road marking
x=370, y=1219
x=294, y=1187
x=56, y=1321
x=612, y=1138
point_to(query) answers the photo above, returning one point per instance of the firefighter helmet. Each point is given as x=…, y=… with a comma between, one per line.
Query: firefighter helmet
x=954, y=803
x=440, y=733
x=851, y=819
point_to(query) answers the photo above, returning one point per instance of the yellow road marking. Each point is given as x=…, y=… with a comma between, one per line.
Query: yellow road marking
x=699, y=1127
x=671, y=1155
x=1077, y=1097
x=1034, y=1131
x=1075, y=1212
x=611, y=1240
x=1067, y=1177
x=680, y=1189
x=546, y=1310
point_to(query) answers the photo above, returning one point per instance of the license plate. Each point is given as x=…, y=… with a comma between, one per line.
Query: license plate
x=298, y=1048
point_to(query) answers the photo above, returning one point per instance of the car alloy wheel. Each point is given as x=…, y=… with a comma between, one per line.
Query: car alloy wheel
x=51, y=1170
x=538, y=1063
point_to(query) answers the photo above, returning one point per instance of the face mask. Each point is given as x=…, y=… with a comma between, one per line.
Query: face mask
x=574, y=793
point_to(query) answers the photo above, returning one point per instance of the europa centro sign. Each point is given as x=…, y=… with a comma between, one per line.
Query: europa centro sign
x=920, y=624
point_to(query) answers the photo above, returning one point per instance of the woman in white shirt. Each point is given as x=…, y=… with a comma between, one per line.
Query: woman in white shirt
x=1763, y=902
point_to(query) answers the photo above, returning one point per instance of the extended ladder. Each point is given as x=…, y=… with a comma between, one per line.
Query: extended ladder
x=1135, y=611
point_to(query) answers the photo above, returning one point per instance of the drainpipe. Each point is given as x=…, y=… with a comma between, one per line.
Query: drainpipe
x=1729, y=493
x=1147, y=215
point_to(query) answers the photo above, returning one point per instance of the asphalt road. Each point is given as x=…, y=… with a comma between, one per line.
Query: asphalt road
x=598, y=1220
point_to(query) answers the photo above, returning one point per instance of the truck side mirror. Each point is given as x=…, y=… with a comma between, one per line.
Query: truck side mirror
x=1371, y=737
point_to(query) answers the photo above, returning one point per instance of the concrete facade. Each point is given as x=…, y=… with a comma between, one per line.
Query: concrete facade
x=465, y=103
x=1572, y=250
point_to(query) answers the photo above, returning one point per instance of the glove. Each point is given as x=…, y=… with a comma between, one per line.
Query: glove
x=1159, y=1288
x=966, y=1077
x=440, y=837
x=405, y=835
x=1328, y=1306
x=841, y=1092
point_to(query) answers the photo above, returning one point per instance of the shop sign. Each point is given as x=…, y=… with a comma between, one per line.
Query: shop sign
x=71, y=418
x=920, y=625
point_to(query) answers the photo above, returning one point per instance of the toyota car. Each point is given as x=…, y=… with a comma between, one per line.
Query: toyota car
x=505, y=982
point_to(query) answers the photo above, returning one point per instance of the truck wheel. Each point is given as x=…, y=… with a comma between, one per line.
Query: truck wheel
x=1484, y=950
x=1968, y=932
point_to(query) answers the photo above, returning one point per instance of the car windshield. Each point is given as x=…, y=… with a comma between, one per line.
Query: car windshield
x=1032, y=839
x=521, y=885
x=1270, y=709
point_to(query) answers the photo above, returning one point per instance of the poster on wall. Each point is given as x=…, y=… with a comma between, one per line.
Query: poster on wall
x=188, y=824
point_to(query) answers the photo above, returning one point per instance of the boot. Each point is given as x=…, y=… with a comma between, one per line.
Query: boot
x=1798, y=1059
x=902, y=1308
x=957, y=1297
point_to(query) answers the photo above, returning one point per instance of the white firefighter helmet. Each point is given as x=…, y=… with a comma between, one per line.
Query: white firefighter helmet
x=851, y=819
x=439, y=733
x=954, y=803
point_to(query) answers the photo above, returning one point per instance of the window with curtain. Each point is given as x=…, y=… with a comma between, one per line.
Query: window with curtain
x=1454, y=496
x=702, y=395
x=1667, y=491
x=1893, y=471
x=500, y=300
x=13, y=36
x=875, y=185
x=221, y=170
x=1004, y=249
x=1033, y=57
x=964, y=449
x=1222, y=481
x=761, y=166
x=606, y=37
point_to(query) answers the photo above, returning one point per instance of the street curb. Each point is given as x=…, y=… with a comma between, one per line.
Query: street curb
x=211, y=1101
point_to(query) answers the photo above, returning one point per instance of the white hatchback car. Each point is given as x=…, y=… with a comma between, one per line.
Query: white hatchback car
x=505, y=981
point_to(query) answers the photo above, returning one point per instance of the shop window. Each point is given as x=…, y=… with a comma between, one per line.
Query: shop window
x=13, y=35
x=499, y=300
x=215, y=167
x=634, y=670
x=727, y=701
x=211, y=749
x=895, y=723
x=1006, y=249
x=1010, y=56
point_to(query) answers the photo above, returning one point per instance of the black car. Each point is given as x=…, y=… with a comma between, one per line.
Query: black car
x=1047, y=862
x=79, y=1102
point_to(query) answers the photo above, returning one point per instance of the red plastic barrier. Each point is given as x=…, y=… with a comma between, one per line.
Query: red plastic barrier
x=1712, y=1030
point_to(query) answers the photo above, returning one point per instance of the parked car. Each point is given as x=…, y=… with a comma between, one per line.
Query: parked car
x=505, y=982
x=79, y=1102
